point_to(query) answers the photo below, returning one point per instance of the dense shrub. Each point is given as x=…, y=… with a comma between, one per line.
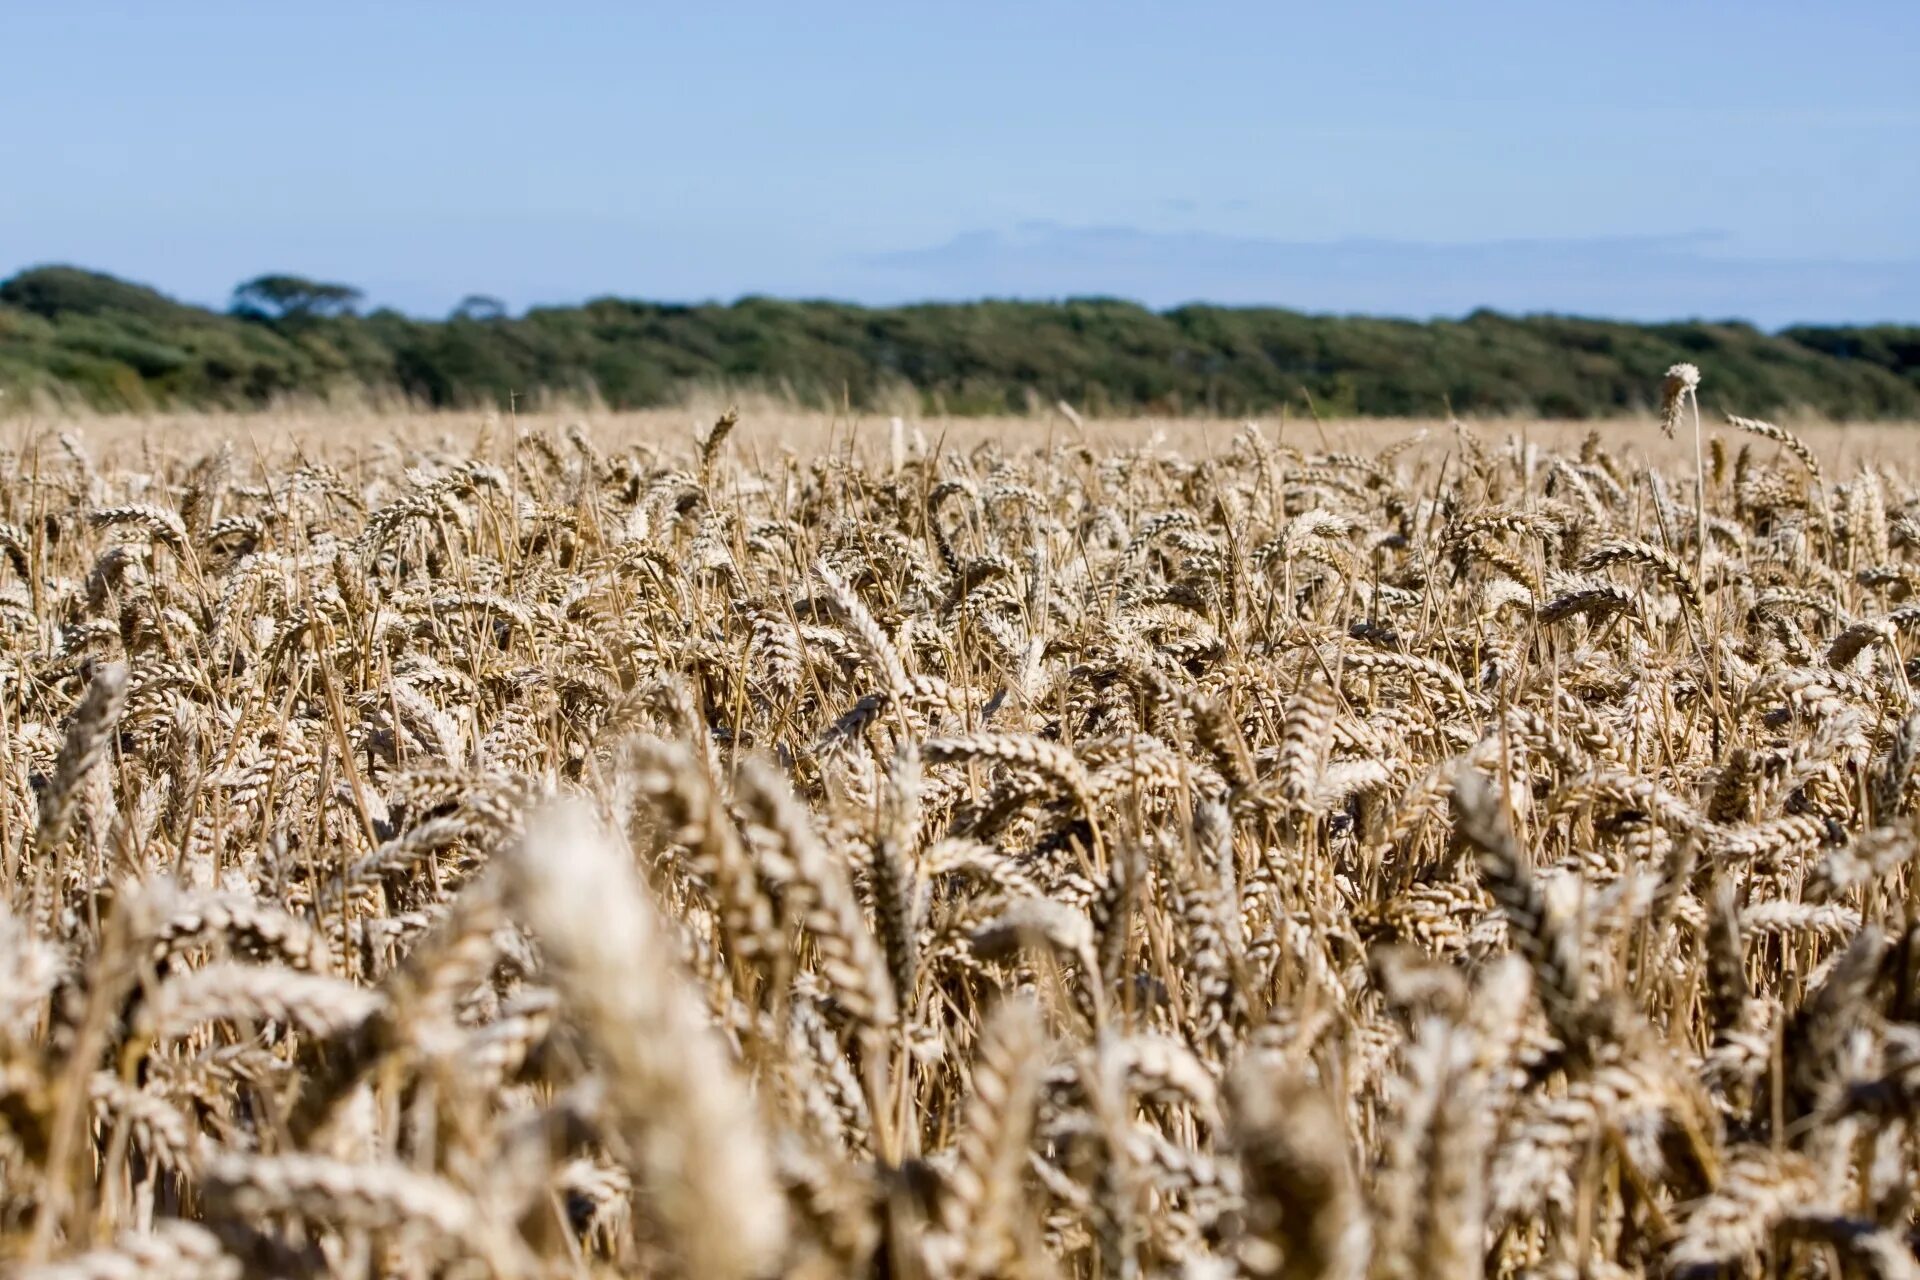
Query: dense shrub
x=120, y=345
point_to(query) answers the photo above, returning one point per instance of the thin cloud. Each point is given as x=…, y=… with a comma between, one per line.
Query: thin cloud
x=1627, y=277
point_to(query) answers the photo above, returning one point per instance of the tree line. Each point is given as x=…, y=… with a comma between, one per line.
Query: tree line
x=81, y=336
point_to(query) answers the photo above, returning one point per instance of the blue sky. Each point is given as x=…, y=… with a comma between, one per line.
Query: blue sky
x=1631, y=159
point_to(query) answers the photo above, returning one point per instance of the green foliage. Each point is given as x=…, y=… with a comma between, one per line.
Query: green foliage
x=52, y=292
x=118, y=345
x=480, y=306
x=284, y=298
x=1895, y=348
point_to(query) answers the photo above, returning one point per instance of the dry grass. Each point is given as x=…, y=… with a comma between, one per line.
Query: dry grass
x=448, y=846
x=776, y=428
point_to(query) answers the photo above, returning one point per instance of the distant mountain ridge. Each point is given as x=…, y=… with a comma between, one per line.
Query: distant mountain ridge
x=73, y=335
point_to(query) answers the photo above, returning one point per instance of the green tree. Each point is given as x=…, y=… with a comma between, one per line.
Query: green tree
x=285, y=297
x=480, y=306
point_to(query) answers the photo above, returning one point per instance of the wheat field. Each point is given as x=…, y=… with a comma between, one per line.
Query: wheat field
x=492, y=846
